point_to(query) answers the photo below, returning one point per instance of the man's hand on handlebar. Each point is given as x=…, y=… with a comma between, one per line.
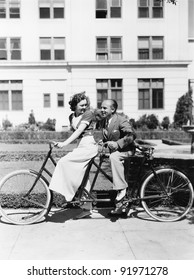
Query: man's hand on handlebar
x=105, y=147
x=113, y=146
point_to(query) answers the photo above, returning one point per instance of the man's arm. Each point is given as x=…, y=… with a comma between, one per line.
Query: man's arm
x=127, y=134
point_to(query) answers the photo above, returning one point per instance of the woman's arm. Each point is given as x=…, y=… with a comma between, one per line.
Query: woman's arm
x=73, y=136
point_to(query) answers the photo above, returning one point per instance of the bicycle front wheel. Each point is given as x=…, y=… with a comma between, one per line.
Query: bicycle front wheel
x=167, y=196
x=22, y=201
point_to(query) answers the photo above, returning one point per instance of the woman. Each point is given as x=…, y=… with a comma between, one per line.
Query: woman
x=70, y=169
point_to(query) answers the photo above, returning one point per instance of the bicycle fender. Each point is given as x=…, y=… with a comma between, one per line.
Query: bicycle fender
x=149, y=172
x=162, y=167
x=172, y=167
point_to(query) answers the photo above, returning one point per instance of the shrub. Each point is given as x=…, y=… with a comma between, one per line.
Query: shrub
x=147, y=122
x=49, y=125
x=165, y=123
x=141, y=122
x=6, y=124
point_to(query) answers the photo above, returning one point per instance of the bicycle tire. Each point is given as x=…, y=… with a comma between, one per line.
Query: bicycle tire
x=173, y=206
x=19, y=207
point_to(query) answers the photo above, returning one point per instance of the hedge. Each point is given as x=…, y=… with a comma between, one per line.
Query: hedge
x=45, y=136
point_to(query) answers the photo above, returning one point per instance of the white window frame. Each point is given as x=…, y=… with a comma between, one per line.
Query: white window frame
x=150, y=7
x=110, y=4
x=150, y=85
x=51, y=5
x=151, y=47
x=11, y=87
x=46, y=102
x=9, y=48
x=108, y=90
x=52, y=48
x=108, y=52
x=7, y=5
x=58, y=99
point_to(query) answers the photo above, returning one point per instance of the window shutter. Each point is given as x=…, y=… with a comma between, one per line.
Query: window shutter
x=115, y=3
x=143, y=3
x=101, y=4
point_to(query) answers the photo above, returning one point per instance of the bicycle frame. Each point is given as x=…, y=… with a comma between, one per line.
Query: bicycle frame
x=165, y=193
x=79, y=197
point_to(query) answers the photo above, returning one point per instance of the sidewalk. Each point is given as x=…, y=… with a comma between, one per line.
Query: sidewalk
x=63, y=238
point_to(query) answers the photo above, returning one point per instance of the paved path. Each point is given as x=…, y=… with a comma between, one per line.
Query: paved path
x=63, y=238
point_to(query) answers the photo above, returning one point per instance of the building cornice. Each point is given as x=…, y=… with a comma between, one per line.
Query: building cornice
x=95, y=64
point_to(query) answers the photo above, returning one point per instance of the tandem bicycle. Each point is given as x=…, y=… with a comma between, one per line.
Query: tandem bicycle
x=165, y=193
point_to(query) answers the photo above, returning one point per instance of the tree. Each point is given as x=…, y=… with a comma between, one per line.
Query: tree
x=183, y=112
x=152, y=121
x=172, y=1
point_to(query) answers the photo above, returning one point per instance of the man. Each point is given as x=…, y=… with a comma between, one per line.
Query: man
x=119, y=137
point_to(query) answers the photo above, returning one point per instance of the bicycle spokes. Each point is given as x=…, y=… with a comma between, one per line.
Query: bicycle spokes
x=170, y=201
x=19, y=202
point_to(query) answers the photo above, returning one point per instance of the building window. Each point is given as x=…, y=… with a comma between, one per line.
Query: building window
x=52, y=48
x=108, y=48
x=151, y=93
x=15, y=48
x=17, y=100
x=4, y=100
x=150, y=8
x=108, y=8
x=14, y=9
x=59, y=48
x=9, y=8
x=3, y=49
x=151, y=47
x=60, y=100
x=51, y=9
x=11, y=97
x=109, y=89
x=10, y=49
x=47, y=100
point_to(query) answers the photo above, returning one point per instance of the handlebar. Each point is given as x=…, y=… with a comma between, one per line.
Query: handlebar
x=145, y=150
x=51, y=145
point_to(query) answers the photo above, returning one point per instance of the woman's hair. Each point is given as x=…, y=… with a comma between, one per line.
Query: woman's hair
x=76, y=98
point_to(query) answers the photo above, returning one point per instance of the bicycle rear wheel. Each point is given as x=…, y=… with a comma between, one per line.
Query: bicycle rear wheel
x=167, y=196
x=19, y=202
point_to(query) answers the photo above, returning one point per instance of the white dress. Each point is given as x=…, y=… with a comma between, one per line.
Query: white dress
x=71, y=168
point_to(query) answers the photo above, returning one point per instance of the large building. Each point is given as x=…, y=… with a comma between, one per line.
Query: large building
x=138, y=52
